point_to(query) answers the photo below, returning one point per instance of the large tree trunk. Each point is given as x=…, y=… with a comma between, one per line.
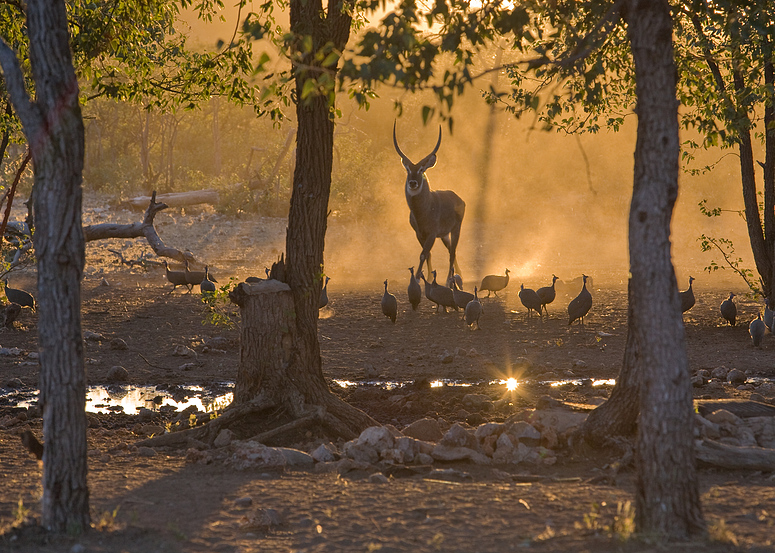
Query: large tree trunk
x=667, y=497
x=54, y=130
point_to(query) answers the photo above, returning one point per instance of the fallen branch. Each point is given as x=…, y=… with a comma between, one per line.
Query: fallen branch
x=176, y=199
x=136, y=230
x=733, y=457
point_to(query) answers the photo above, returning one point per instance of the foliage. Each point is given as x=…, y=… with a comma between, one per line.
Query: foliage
x=217, y=305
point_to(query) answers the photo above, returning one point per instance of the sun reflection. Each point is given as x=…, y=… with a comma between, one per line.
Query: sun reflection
x=511, y=384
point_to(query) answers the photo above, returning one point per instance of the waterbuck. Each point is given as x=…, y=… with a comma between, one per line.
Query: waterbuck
x=432, y=213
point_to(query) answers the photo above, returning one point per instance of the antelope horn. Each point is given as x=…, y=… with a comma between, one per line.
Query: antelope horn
x=395, y=143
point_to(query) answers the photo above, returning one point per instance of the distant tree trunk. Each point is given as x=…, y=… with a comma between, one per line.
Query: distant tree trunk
x=667, y=497
x=216, y=138
x=54, y=130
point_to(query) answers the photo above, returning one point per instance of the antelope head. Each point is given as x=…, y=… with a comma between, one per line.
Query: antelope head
x=415, y=172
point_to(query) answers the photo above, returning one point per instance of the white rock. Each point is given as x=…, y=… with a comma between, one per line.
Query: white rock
x=426, y=429
x=360, y=453
x=223, y=438
x=561, y=420
x=256, y=455
x=325, y=453
x=488, y=429
x=722, y=416
x=457, y=436
x=183, y=351
x=378, y=478
x=378, y=437
x=296, y=458
x=447, y=453
x=477, y=401
x=522, y=430
x=707, y=428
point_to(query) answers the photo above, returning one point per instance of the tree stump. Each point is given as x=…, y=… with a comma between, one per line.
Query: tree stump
x=266, y=335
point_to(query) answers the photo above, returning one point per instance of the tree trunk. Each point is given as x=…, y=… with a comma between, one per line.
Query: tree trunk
x=667, y=497
x=54, y=130
x=618, y=416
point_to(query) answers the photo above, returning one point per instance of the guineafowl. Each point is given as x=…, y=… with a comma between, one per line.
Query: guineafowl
x=581, y=304
x=729, y=309
x=461, y=296
x=547, y=294
x=757, y=329
x=21, y=297
x=413, y=290
x=494, y=283
x=443, y=296
x=389, y=304
x=193, y=277
x=207, y=286
x=176, y=278
x=455, y=279
x=473, y=311
x=324, y=295
x=687, y=297
x=530, y=299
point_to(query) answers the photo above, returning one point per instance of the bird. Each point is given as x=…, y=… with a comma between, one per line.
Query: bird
x=176, y=278
x=193, y=277
x=530, y=299
x=687, y=297
x=443, y=296
x=769, y=314
x=473, y=311
x=207, y=286
x=547, y=294
x=457, y=279
x=494, y=283
x=729, y=309
x=461, y=296
x=324, y=295
x=581, y=304
x=756, y=329
x=389, y=304
x=21, y=297
x=413, y=290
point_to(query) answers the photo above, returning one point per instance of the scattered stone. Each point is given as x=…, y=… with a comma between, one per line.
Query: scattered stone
x=370, y=371
x=720, y=373
x=90, y=336
x=218, y=342
x=547, y=402
x=736, y=377
x=460, y=352
x=243, y=502
x=448, y=453
x=446, y=358
x=457, y=436
x=325, y=453
x=143, y=451
x=425, y=429
x=117, y=374
x=118, y=344
x=145, y=415
x=33, y=355
x=475, y=419
x=183, y=351
x=698, y=382
x=758, y=397
x=579, y=364
x=14, y=383
x=378, y=478
x=250, y=455
x=723, y=416
x=524, y=432
x=151, y=430
x=223, y=438
x=477, y=401
x=262, y=519
x=10, y=352
x=295, y=457
x=704, y=373
x=473, y=353
x=450, y=475
x=187, y=366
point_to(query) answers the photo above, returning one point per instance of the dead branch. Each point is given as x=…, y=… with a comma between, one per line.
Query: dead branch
x=733, y=457
x=136, y=230
x=176, y=199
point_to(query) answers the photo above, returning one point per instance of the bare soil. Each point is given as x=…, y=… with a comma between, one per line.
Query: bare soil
x=162, y=502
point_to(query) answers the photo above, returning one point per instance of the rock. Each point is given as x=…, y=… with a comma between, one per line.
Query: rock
x=698, y=382
x=704, y=373
x=378, y=437
x=151, y=430
x=324, y=453
x=252, y=454
x=736, y=377
x=187, y=367
x=10, y=352
x=561, y=420
x=243, y=502
x=477, y=401
x=707, y=428
x=524, y=432
x=145, y=415
x=360, y=453
x=758, y=397
x=218, y=342
x=720, y=373
x=118, y=344
x=183, y=351
x=296, y=458
x=457, y=436
x=460, y=352
x=723, y=416
x=90, y=336
x=370, y=371
x=475, y=419
x=446, y=358
x=764, y=430
x=488, y=429
x=449, y=453
x=34, y=355
x=117, y=374
x=143, y=451
x=14, y=383
x=547, y=402
x=426, y=429
x=579, y=364
x=507, y=452
x=424, y=459
x=378, y=478
x=223, y=438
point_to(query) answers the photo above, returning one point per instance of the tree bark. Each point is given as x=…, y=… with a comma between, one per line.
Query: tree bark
x=54, y=129
x=667, y=496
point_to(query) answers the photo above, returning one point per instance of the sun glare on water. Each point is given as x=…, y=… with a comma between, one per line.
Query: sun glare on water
x=511, y=384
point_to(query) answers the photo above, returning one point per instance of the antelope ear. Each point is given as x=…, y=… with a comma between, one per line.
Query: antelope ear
x=406, y=163
x=429, y=162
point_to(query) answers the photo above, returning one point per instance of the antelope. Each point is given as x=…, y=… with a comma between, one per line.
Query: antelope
x=432, y=213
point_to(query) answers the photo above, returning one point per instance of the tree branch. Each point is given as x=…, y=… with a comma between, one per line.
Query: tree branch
x=14, y=83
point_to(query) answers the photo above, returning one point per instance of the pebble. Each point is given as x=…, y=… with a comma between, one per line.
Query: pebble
x=117, y=374
x=378, y=478
x=118, y=344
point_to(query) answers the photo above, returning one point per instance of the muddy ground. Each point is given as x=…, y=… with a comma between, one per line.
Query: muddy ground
x=162, y=502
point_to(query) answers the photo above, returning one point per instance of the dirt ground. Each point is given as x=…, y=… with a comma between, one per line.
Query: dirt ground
x=161, y=502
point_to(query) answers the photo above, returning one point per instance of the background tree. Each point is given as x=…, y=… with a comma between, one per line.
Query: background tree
x=54, y=130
